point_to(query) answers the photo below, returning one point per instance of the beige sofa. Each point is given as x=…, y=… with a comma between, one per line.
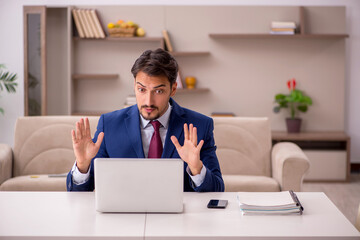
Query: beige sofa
x=249, y=162
x=43, y=147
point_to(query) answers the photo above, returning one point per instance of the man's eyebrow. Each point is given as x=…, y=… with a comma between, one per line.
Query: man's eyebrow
x=161, y=85
x=140, y=84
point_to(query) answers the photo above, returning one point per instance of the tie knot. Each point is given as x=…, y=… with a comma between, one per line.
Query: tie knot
x=156, y=124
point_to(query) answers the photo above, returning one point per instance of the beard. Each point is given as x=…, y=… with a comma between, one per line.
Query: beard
x=147, y=115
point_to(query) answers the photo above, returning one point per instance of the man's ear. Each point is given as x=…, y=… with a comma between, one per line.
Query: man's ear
x=173, y=89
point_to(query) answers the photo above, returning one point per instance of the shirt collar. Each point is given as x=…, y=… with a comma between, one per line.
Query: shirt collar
x=164, y=119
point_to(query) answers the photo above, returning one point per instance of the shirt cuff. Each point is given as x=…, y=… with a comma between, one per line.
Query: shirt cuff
x=78, y=177
x=199, y=178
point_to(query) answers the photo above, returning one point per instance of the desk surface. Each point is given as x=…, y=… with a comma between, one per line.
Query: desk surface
x=63, y=215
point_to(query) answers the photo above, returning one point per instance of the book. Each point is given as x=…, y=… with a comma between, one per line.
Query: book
x=282, y=32
x=283, y=29
x=275, y=24
x=96, y=19
x=92, y=24
x=87, y=23
x=167, y=41
x=130, y=100
x=83, y=24
x=285, y=202
x=78, y=25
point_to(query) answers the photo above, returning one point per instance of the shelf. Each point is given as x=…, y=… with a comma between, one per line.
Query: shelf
x=88, y=113
x=274, y=36
x=94, y=76
x=195, y=90
x=122, y=39
x=189, y=54
x=309, y=136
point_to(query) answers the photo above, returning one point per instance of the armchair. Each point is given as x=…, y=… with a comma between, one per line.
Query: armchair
x=249, y=162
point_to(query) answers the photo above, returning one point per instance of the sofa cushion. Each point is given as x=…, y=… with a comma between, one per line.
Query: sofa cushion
x=43, y=144
x=245, y=183
x=34, y=183
x=243, y=145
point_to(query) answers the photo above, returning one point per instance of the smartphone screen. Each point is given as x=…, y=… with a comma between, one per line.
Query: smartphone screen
x=216, y=203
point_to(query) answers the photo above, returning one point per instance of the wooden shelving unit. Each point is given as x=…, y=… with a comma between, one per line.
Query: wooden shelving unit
x=122, y=39
x=94, y=76
x=189, y=54
x=273, y=36
x=302, y=35
x=87, y=113
x=194, y=90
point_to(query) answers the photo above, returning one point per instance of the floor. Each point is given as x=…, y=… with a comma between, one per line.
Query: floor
x=346, y=196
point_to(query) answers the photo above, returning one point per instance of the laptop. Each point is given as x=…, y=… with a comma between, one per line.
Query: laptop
x=139, y=185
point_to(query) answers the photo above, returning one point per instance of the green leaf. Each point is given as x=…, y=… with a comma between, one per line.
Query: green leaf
x=2, y=111
x=283, y=104
x=8, y=80
x=302, y=108
x=279, y=97
x=289, y=98
x=307, y=100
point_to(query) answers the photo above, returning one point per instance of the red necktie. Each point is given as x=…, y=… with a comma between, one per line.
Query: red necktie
x=155, y=148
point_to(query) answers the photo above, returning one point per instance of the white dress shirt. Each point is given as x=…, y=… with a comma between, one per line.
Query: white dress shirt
x=147, y=131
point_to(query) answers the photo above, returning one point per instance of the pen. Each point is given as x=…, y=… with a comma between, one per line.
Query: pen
x=295, y=198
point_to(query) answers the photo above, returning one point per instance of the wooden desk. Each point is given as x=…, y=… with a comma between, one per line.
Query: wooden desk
x=324, y=149
x=64, y=215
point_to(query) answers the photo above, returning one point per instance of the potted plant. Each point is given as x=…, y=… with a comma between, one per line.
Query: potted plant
x=7, y=81
x=296, y=101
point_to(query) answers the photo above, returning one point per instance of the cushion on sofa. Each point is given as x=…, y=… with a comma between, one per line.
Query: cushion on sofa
x=243, y=145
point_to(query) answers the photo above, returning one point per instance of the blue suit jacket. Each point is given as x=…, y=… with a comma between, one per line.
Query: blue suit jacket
x=122, y=139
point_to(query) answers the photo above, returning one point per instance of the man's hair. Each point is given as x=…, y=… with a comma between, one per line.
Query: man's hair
x=156, y=63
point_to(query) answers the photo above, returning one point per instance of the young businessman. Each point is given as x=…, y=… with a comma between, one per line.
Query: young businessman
x=155, y=127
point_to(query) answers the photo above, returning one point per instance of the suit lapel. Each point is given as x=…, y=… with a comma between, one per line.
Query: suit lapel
x=132, y=123
x=175, y=128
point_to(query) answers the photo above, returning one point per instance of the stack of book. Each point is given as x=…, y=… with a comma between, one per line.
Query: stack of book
x=285, y=202
x=283, y=28
x=130, y=100
x=87, y=23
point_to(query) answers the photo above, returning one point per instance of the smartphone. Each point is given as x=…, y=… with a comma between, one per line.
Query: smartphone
x=216, y=203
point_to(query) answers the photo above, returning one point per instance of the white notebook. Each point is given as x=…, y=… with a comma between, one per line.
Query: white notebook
x=269, y=202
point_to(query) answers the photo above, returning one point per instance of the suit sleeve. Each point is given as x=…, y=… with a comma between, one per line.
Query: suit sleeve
x=102, y=153
x=213, y=181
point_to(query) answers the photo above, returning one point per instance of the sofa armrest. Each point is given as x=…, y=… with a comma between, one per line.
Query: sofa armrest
x=6, y=158
x=289, y=165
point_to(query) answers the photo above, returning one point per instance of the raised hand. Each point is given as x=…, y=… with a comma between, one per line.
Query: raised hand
x=190, y=151
x=84, y=148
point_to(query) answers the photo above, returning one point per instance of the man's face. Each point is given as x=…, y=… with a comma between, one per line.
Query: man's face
x=152, y=95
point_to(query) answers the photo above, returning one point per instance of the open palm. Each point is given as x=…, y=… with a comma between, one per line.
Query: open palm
x=190, y=151
x=84, y=148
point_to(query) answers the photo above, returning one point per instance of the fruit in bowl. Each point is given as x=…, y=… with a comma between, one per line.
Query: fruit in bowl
x=140, y=32
x=123, y=28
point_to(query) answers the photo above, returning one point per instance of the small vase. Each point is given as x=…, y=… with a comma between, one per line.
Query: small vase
x=293, y=125
x=190, y=82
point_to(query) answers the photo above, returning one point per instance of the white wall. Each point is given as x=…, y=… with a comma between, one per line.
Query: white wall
x=12, y=47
